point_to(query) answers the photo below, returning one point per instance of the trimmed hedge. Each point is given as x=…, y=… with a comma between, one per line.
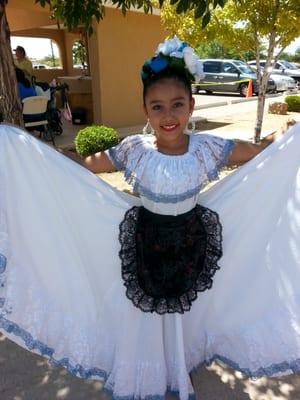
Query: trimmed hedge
x=95, y=138
x=293, y=103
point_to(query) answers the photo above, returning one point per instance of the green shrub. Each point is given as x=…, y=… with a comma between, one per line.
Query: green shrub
x=293, y=103
x=95, y=138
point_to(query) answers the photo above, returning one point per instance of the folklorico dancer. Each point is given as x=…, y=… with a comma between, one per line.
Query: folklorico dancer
x=140, y=291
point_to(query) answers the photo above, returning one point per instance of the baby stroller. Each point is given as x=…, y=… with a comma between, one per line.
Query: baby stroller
x=53, y=113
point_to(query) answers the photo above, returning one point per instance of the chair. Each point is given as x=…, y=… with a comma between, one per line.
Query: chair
x=35, y=116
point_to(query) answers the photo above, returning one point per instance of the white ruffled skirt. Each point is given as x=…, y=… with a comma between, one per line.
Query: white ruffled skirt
x=62, y=295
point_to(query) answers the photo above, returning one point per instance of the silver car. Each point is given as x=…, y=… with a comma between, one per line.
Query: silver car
x=228, y=76
x=282, y=82
x=281, y=67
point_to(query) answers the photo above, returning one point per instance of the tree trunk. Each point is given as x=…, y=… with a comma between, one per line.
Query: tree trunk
x=263, y=81
x=10, y=104
x=260, y=107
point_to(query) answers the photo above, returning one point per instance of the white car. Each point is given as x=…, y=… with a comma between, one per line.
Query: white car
x=281, y=67
x=40, y=66
x=282, y=82
x=291, y=82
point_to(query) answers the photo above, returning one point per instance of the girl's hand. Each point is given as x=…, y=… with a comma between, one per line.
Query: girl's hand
x=277, y=134
x=70, y=154
x=96, y=163
x=245, y=151
x=286, y=126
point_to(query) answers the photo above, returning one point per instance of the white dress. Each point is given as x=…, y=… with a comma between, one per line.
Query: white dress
x=61, y=290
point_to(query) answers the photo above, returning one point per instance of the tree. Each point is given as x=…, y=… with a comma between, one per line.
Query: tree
x=214, y=49
x=296, y=57
x=245, y=25
x=79, y=53
x=72, y=13
x=272, y=22
x=10, y=104
x=75, y=13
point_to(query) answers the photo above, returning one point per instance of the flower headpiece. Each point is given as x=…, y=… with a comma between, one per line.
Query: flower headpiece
x=178, y=56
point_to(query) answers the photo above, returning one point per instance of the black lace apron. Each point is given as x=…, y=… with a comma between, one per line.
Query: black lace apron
x=166, y=260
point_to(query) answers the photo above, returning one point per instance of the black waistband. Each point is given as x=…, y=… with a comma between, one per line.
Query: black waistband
x=162, y=218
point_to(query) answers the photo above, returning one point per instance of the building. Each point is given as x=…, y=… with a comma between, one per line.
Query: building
x=117, y=49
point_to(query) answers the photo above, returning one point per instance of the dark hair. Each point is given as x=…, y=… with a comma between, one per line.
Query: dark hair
x=21, y=50
x=167, y=73
x=21, y=78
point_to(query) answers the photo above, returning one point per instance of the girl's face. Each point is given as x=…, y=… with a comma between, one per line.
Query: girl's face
x=168, y=107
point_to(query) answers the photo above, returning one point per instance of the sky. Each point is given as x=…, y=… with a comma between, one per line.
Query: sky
x=37, y=48
x=293, y=46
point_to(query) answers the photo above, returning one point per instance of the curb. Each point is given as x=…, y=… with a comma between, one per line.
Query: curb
x=234, y=101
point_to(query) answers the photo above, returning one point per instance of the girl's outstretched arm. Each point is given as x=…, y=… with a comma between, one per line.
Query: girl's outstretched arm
x=244, y=151
x=97, y=163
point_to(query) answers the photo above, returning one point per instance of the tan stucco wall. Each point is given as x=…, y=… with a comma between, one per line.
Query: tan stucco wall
x=25, y=14
x=118, y=51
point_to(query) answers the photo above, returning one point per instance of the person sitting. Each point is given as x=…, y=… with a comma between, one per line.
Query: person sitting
x=24, y=86
x=22, y=62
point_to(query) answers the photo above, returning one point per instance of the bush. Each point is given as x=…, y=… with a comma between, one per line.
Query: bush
x=95, y=138
x=293, y=103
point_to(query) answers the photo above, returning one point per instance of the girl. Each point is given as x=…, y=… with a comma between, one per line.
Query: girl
x=139, y=292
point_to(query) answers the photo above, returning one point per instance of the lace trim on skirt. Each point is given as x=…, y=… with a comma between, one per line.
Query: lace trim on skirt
x=166, y=260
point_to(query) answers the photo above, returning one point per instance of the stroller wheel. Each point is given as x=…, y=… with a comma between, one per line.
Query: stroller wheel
x=48, y=135
x=58, y=130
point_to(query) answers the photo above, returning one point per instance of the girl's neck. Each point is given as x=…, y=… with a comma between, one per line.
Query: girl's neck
x=176, y=147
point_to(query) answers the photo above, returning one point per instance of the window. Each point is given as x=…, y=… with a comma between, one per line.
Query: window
x=229, y=68
x=43, y=52
x=286, y=64
x=79, y=55
x=212, y=66
x=243, y=67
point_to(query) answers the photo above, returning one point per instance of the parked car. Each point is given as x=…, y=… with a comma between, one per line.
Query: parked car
x=291, y=82
x=282, y=82
x=40, y=66
x=228, y=76
x=281, y=67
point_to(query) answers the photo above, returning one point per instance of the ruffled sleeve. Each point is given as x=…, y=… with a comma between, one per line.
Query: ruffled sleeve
x=214, y=152
x=119, y=154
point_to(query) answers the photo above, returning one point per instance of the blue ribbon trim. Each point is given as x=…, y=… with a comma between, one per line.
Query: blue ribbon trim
x=223, y=161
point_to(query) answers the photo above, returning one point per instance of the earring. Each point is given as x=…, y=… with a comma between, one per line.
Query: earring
x=148, y=130
x=190, y=127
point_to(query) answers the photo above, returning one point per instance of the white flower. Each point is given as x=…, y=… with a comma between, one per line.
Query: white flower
x=177, y=54
x=193, y=63
x=169, y=46
x=175, y=48
x=199, y=71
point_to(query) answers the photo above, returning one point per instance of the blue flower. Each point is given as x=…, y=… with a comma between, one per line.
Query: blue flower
x=158, y=64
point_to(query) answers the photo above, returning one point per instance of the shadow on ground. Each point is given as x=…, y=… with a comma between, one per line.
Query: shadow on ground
x=25, y=376
x=209, y=125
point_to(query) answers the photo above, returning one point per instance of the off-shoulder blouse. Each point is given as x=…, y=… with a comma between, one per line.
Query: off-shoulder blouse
x=170, y=184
